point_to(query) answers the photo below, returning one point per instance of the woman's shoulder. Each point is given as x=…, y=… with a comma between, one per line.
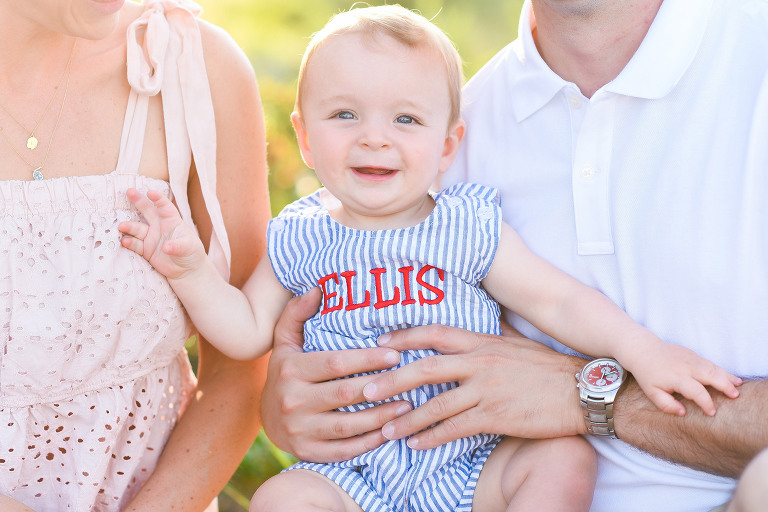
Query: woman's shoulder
x=226, y=62
x=231, y=77
x=223, y=56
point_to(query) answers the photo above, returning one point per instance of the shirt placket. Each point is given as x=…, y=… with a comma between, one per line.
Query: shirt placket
x=592, y=122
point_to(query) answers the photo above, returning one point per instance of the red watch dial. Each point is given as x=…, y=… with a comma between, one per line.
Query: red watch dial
x=603, y=374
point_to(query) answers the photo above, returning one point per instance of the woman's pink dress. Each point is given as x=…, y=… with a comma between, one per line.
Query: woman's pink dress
x=93, y=370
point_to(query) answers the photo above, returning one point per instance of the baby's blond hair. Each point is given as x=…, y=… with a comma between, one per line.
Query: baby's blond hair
x=405, y=26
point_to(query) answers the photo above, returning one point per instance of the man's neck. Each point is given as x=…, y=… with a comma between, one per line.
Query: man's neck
x=589, y=42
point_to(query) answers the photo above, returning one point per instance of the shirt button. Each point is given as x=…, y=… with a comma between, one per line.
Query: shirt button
x=588, y=173
x=574, y=101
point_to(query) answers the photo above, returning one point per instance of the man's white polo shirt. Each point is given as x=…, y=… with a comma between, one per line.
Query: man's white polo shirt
x=654, y=191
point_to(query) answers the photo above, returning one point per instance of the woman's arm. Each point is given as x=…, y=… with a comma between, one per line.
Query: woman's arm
x=10, y=505
x=221, y=421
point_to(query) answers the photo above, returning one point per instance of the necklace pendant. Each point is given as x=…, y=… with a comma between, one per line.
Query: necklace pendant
x=37, y=174
x=32, y=142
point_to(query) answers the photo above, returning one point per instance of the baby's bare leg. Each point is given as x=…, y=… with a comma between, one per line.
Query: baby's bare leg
x=547, y=475
x=302, y=490
x=752, y=491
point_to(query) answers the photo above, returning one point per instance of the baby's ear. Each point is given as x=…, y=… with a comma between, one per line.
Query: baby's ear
x=301, y=137
x=451, y=144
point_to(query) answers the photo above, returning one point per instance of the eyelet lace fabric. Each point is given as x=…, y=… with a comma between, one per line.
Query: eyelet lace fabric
x=93, y=371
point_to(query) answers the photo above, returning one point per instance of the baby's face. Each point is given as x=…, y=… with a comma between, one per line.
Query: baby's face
x=374, y=126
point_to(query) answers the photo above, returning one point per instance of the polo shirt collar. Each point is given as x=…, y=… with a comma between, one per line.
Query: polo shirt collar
x=658, y=65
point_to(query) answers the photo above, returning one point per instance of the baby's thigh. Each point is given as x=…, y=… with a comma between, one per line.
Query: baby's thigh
x=557, y=471
x=752, y=491
x=301, y=490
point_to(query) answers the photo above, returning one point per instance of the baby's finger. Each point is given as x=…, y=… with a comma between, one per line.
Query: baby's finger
x=133, y=194
x=721, y=380
x=176, y=248
x=133, y=244
x=170, y=248
x=135, y=229
x=183, y=247
x=695, y=391
x=156, y=197
x=142, y=203
x=666, y=402
x=159, y=199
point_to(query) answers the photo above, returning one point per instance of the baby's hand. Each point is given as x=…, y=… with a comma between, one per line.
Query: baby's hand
x=671, y=369
x=165, y=241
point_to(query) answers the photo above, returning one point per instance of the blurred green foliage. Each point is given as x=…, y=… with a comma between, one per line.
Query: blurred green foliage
x=273, y=36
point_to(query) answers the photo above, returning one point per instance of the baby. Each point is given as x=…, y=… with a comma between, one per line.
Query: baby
x=378, y=119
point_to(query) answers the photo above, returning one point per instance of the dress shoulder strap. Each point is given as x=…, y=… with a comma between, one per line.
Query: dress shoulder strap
x=132, y=139
x=165, y=55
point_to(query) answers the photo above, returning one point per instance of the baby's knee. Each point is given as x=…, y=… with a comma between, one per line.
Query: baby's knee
x=316, y=493
x=752, y=491
x=535, y=467
x=574, y=458
x=572, y=450
x=270, y=495
x=279, y=493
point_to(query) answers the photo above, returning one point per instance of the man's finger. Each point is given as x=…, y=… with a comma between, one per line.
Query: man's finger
x=428, y=370
x=449, y=404
x=342, y=425
x=341, y=450
x=289, y=331
x=442, y=338
x=461, y=425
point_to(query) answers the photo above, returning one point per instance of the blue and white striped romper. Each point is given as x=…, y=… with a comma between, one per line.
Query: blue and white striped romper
x=377, y=281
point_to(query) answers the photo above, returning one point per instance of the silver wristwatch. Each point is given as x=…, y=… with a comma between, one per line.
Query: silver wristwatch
x=599, y=382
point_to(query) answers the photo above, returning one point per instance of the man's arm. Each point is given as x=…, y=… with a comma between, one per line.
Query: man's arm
x=10, y=505
x=300, y=397
x=509, y=385
x=722, y=444
x=514, y=386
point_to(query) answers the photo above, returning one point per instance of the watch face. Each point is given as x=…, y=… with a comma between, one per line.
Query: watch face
x=602, y=375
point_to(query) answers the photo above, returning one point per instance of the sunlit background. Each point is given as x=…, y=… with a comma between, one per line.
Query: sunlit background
x=273, y=35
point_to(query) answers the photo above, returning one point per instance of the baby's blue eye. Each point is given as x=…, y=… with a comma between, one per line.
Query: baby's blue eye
x=345, y=115
x=405, y=119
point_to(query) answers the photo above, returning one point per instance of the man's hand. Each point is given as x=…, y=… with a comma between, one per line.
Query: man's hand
x=302, y=394
x=507, y=385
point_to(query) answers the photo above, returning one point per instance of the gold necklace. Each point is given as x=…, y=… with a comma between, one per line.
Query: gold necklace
x=31, y=139
x=37, y=171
